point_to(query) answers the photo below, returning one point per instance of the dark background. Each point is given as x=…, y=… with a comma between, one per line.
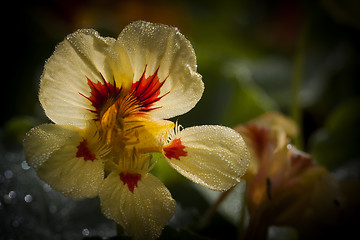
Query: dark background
x=246, y=52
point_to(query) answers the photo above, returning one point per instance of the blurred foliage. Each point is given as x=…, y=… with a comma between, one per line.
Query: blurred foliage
x=245, y=51
x=334, y=144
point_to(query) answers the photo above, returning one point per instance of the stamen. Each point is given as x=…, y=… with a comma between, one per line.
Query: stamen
x=175, y=131
x=103, y=150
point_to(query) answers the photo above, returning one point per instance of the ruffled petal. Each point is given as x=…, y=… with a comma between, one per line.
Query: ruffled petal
x=213, y=156
x=163, y=64
x=70, y=74
x=66, y=158
x=141, y=204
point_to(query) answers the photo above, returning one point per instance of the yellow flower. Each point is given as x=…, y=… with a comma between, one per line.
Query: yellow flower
x=108, y=99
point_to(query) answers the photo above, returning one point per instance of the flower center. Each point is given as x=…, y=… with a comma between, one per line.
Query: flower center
x=115, y=129
x=113, y=107
x=119, y=118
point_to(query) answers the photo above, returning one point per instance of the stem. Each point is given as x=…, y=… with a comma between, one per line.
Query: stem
x=258, y=226
x=299, y=60
x=212, y=210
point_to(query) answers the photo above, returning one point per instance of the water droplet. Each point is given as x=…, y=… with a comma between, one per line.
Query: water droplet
x=46, y=187
x=12, y=194
x=24, y=165
x=28, y=198
x=8, y=174
x=85, y=232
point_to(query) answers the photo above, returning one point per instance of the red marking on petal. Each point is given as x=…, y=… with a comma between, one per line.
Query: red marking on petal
x=84, y=151
x=101, y=93
x=175, y=149
x=131, y=179
x=140, y=99
x=147, y=91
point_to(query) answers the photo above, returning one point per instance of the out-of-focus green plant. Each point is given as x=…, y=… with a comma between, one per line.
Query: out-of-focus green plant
x=333, y=144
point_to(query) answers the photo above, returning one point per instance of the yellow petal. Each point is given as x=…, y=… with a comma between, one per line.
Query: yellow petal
x=64, y=82
x=151, y=134
x=142, y=210
x=213, y=156
x=161, y=51
x=64, y=157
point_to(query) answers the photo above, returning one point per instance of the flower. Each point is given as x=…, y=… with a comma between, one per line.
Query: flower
x=284, y=185
x=108, y=99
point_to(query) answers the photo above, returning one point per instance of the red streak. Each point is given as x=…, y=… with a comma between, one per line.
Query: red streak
x=83, y=151
x=147, y=91
x=131, y=179
x=101, y=93
x=141, y=97
x=175, y=149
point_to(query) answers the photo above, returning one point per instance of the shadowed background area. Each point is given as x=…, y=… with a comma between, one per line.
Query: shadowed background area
x=254, y=56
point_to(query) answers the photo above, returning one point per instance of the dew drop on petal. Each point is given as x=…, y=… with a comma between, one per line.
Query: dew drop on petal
x=46, y=187
x=24, y=165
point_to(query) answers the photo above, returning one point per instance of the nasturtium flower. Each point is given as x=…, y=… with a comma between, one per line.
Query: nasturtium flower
x=108, y=99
